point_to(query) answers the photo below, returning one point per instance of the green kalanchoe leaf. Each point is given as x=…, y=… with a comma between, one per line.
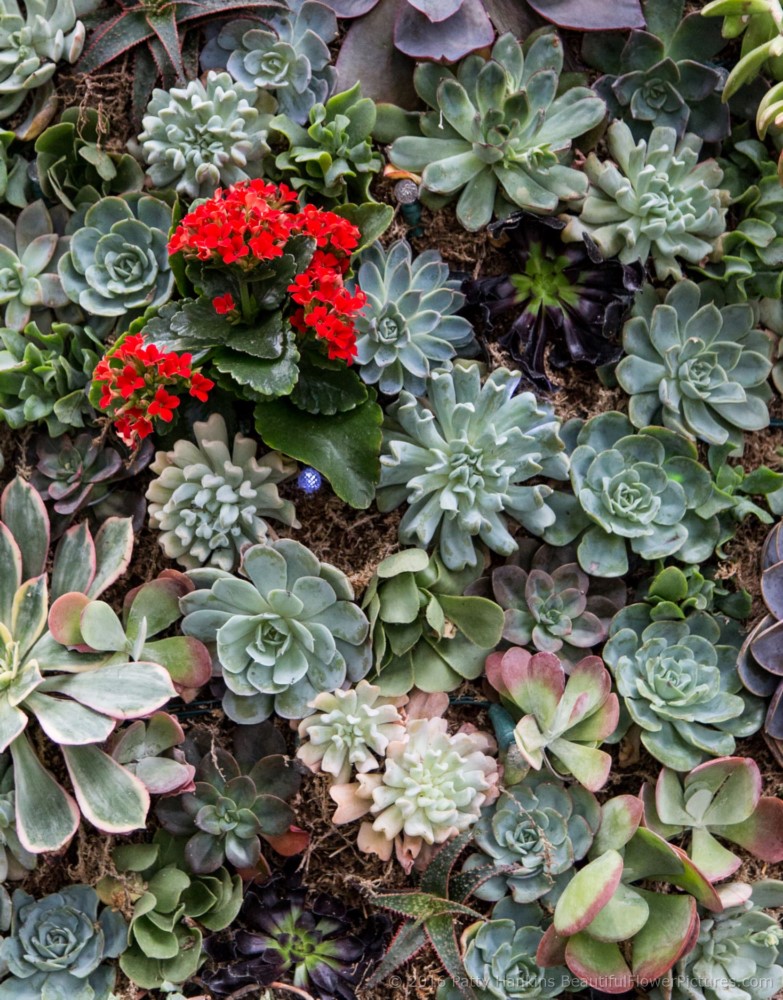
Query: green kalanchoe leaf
x=698, y=369
x=407, y=325
x=210, y=502
x=287, y=632
x=205, y=135
x=679, y=683
x=655, y=200
x=331, y=160
x=497, y=134
x=459, y=458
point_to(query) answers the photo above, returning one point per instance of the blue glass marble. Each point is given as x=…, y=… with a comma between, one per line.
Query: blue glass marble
x=309, y=480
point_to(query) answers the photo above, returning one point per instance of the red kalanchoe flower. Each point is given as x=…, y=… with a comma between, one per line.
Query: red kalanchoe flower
x=139, y=382
x=224, y=303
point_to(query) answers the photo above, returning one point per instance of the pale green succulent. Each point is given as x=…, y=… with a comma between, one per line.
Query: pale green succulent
x=15, y=860
x=44, y=376
x=680, y=685
x=349, y=728
x=203, y=136
x=407, y=326
x=118, y=260
x=58, y=946
x=33, y=39
x=288, y=55
x=738, y=954
x=645, y=490
x=497, y=135
x=210, y=501
x=699, y=369
x=288, y=632
x=539, y=828
x=499, y=957
x=30, y=251
x=459, y=457
x=655, y=200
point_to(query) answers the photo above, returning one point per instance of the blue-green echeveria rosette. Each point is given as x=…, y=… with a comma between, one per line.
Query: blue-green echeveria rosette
x=498, y=136
x=655, y=200
x=407, y=325
x=499, y=957
x=459, y=458
x=284, y=634
x=541, y=827
x=118, y=259
x=287, y=54
x=679, y=683
x=642, y=491
x=202, y=136
x=699, y=369
x=30, y=252
x=58, y=946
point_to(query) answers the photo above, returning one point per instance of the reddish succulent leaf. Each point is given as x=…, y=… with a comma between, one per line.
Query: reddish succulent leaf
x=620, y=819
x=599, y=964
x=761, y=833
x=667, y=935
x=587, y=893
x=591, y=15
x=288, y=844
x=65, y=619
x=551, y=949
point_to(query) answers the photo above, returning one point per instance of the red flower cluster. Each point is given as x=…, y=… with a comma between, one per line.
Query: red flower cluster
x=135, y=381
x=251, y=223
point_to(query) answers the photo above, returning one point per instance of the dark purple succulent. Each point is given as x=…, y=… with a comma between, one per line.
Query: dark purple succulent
x=78, y=474
x=286, y=934
x=760, y=663
x=565, y=296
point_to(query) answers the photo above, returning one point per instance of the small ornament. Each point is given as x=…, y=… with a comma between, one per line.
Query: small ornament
x=309, y=480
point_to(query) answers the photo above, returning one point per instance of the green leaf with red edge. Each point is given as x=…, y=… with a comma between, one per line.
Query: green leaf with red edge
x=587, y=893
x=761, y=833
x=24, y=514
x=551, y=949
x=74, y=562
x=408, y=942
x=598, y=963
x=620, y=819
x=164, y=24
x=666, y=935
x=443, y=938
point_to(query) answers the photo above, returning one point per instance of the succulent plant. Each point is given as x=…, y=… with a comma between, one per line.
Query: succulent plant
x=118, y=260
x=237, y=800
x=288, y=933
x=459, y=458
x=497, y=135
x=550, y=603
x=205, y=135
x=738, y=954
x=679, y=682
x=349, y=728
x=760, y=664
x=662, y=75
x=75, y=697
x=656, y=200
x=29, y=254
x=209, y=503
x=330, y=160
x=91, y=626
x=80, y=474
x=15, y=860
x=432, y=787
x=498, y=955
x=733, y=490
x=148, y=749
x=73, y=167
x=15, y=186
x=674, y=591
x=746, y=260
x=407, y=325
x=562, y=719
x=698, y=369
x=170, y=906
x=425, y=633
x=288, y=632
x=287, y=55
x=33, y=41
x=645, y=489
x=536, y=831
x=44, y=376
x=569, y=301
x=613, y=927
x=59, y=946
x=722, y=799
